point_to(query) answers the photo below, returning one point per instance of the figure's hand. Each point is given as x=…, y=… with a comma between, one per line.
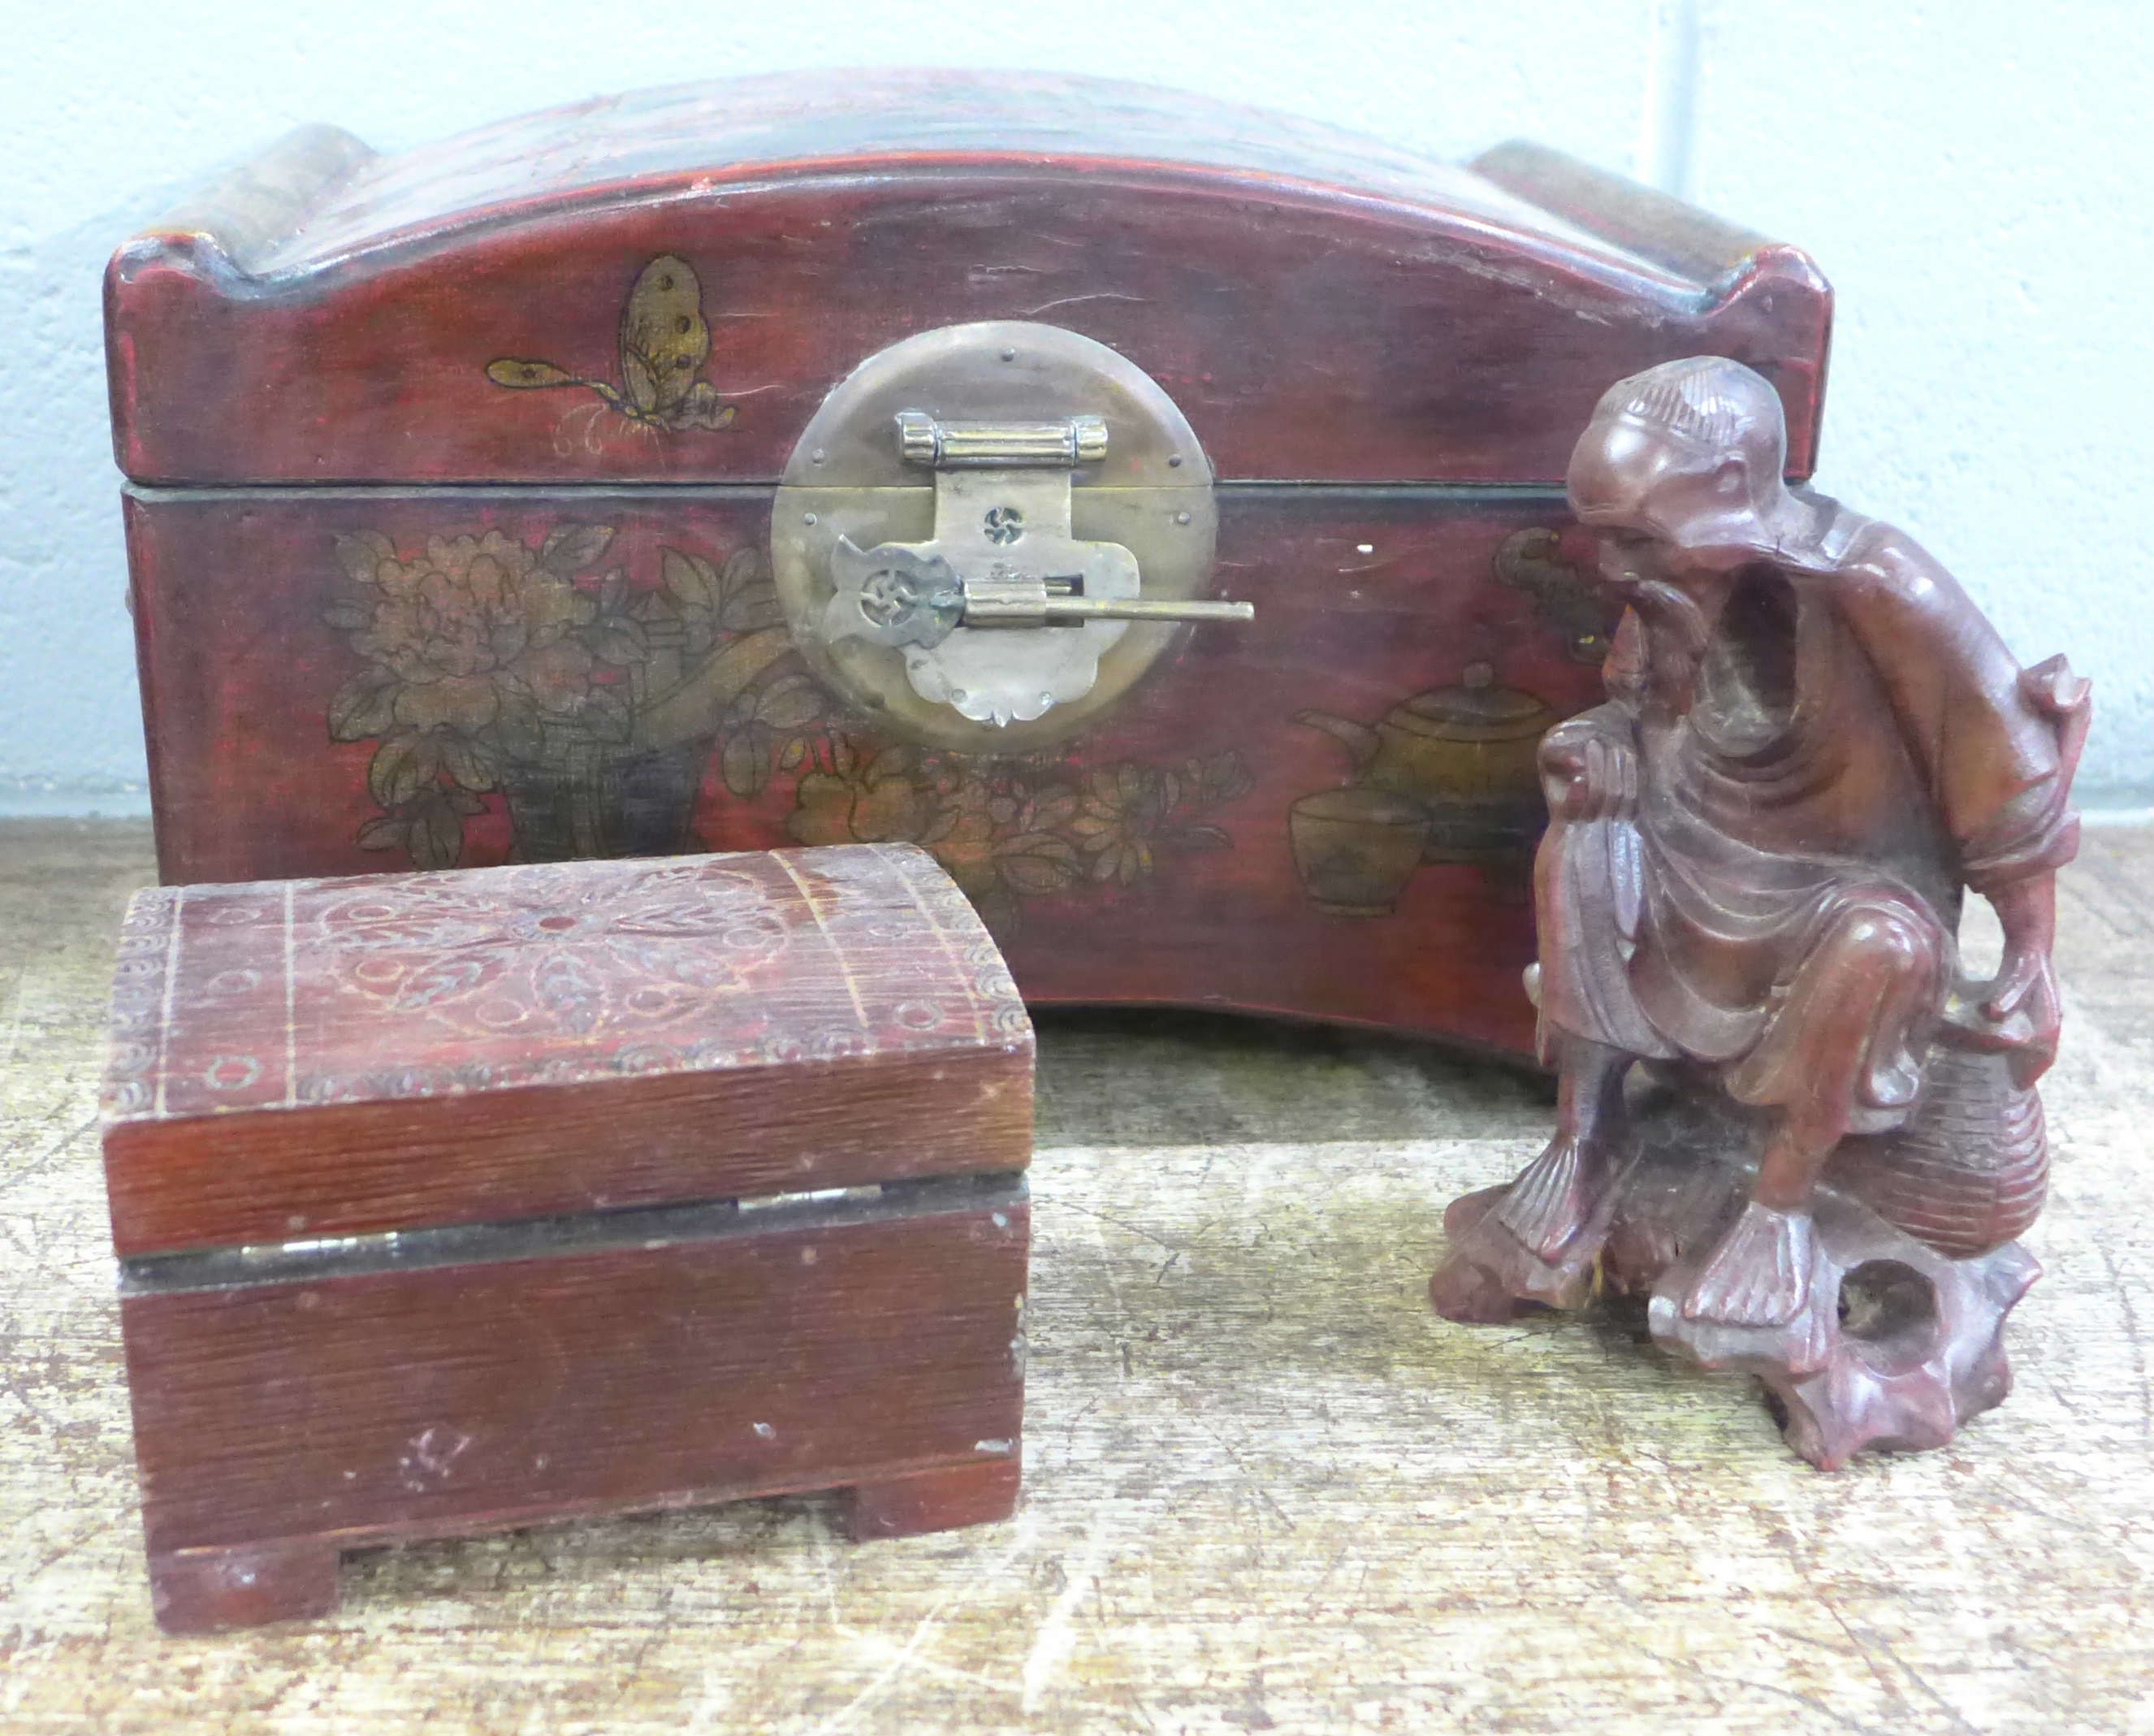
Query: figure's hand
x=2024, y=1012
x=2019, y=1011
x=1623, y=562
x=1590, y=773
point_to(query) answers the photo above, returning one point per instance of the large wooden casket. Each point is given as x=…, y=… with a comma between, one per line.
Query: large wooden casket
x=750, y=464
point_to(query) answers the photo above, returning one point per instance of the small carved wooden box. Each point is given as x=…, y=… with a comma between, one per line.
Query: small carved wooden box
x=846, y=457
x=450, y=1202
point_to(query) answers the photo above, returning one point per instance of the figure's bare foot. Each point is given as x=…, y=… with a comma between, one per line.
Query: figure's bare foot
x=1492, y=1267
x=1759, y=1275
x=1550, y=1203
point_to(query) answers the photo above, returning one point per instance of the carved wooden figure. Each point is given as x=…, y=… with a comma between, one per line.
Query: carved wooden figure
x=1812, y=748
x=452, y=1203
x=843, y=458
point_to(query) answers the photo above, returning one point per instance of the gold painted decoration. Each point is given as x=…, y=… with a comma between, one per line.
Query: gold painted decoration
x=1447, y=775
x=589, y=706
x=1532, y=560
x=1007, y=831
x=665, y=340
x=536, y=676
x=1450, y=774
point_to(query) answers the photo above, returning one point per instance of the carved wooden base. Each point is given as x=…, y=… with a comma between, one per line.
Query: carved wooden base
x=1898, y=1346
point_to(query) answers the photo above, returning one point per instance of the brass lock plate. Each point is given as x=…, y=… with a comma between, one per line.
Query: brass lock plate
x=990, y=462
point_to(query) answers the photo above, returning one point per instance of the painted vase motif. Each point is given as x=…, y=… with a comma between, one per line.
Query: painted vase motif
x=1355, y=849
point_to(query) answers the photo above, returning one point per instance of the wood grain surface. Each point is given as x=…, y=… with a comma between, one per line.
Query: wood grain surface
x=1265, y=1488
x=335, y=1056
x=1363, y=601
x=464, y=1397
x=543, y=376
x=1338, y=312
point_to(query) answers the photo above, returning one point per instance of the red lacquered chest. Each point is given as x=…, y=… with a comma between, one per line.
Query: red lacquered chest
x=594, y=484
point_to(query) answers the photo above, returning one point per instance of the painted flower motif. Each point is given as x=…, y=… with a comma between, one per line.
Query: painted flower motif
x=492, y=665
x=863, y=799
x=1124, y=806
x=466, y=703
x=1009, y=833
x=471, y=616
x=557, y=677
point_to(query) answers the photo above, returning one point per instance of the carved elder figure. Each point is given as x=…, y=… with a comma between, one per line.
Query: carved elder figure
x=1813, y=746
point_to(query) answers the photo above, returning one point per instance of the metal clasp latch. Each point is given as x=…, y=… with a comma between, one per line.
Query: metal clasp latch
x=1003, y=556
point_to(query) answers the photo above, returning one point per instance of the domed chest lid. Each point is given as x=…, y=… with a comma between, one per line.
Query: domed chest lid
x=1478, y=709
x=663, y=287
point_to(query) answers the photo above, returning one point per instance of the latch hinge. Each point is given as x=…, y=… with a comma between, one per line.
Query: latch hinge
x=1002, y=556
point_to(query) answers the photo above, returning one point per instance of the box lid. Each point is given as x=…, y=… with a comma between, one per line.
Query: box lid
x=664, y=287
x=320, y=1057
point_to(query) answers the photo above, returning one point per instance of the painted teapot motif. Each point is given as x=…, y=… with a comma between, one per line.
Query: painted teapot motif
x=1446, y=776
x=1464, y=753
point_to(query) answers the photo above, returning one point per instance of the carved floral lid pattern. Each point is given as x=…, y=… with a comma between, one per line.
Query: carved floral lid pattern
x=293, y=992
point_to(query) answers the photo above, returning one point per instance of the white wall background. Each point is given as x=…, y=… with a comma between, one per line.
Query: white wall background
x=1976, y=177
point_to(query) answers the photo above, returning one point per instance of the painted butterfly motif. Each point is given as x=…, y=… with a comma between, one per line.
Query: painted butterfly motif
x=665, y=340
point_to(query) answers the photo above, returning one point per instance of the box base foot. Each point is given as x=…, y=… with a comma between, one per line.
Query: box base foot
x=934, y=1501
x=204, y=1591
x=208, y=1590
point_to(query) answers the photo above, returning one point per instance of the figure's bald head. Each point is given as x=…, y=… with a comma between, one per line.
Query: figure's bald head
x=1711, y=403
x=1702, y=438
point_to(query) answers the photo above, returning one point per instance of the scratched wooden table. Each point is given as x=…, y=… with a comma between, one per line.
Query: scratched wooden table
x=1267, y=1489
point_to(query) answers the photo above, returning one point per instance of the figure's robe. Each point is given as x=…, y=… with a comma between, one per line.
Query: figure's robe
x=1849, y=746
